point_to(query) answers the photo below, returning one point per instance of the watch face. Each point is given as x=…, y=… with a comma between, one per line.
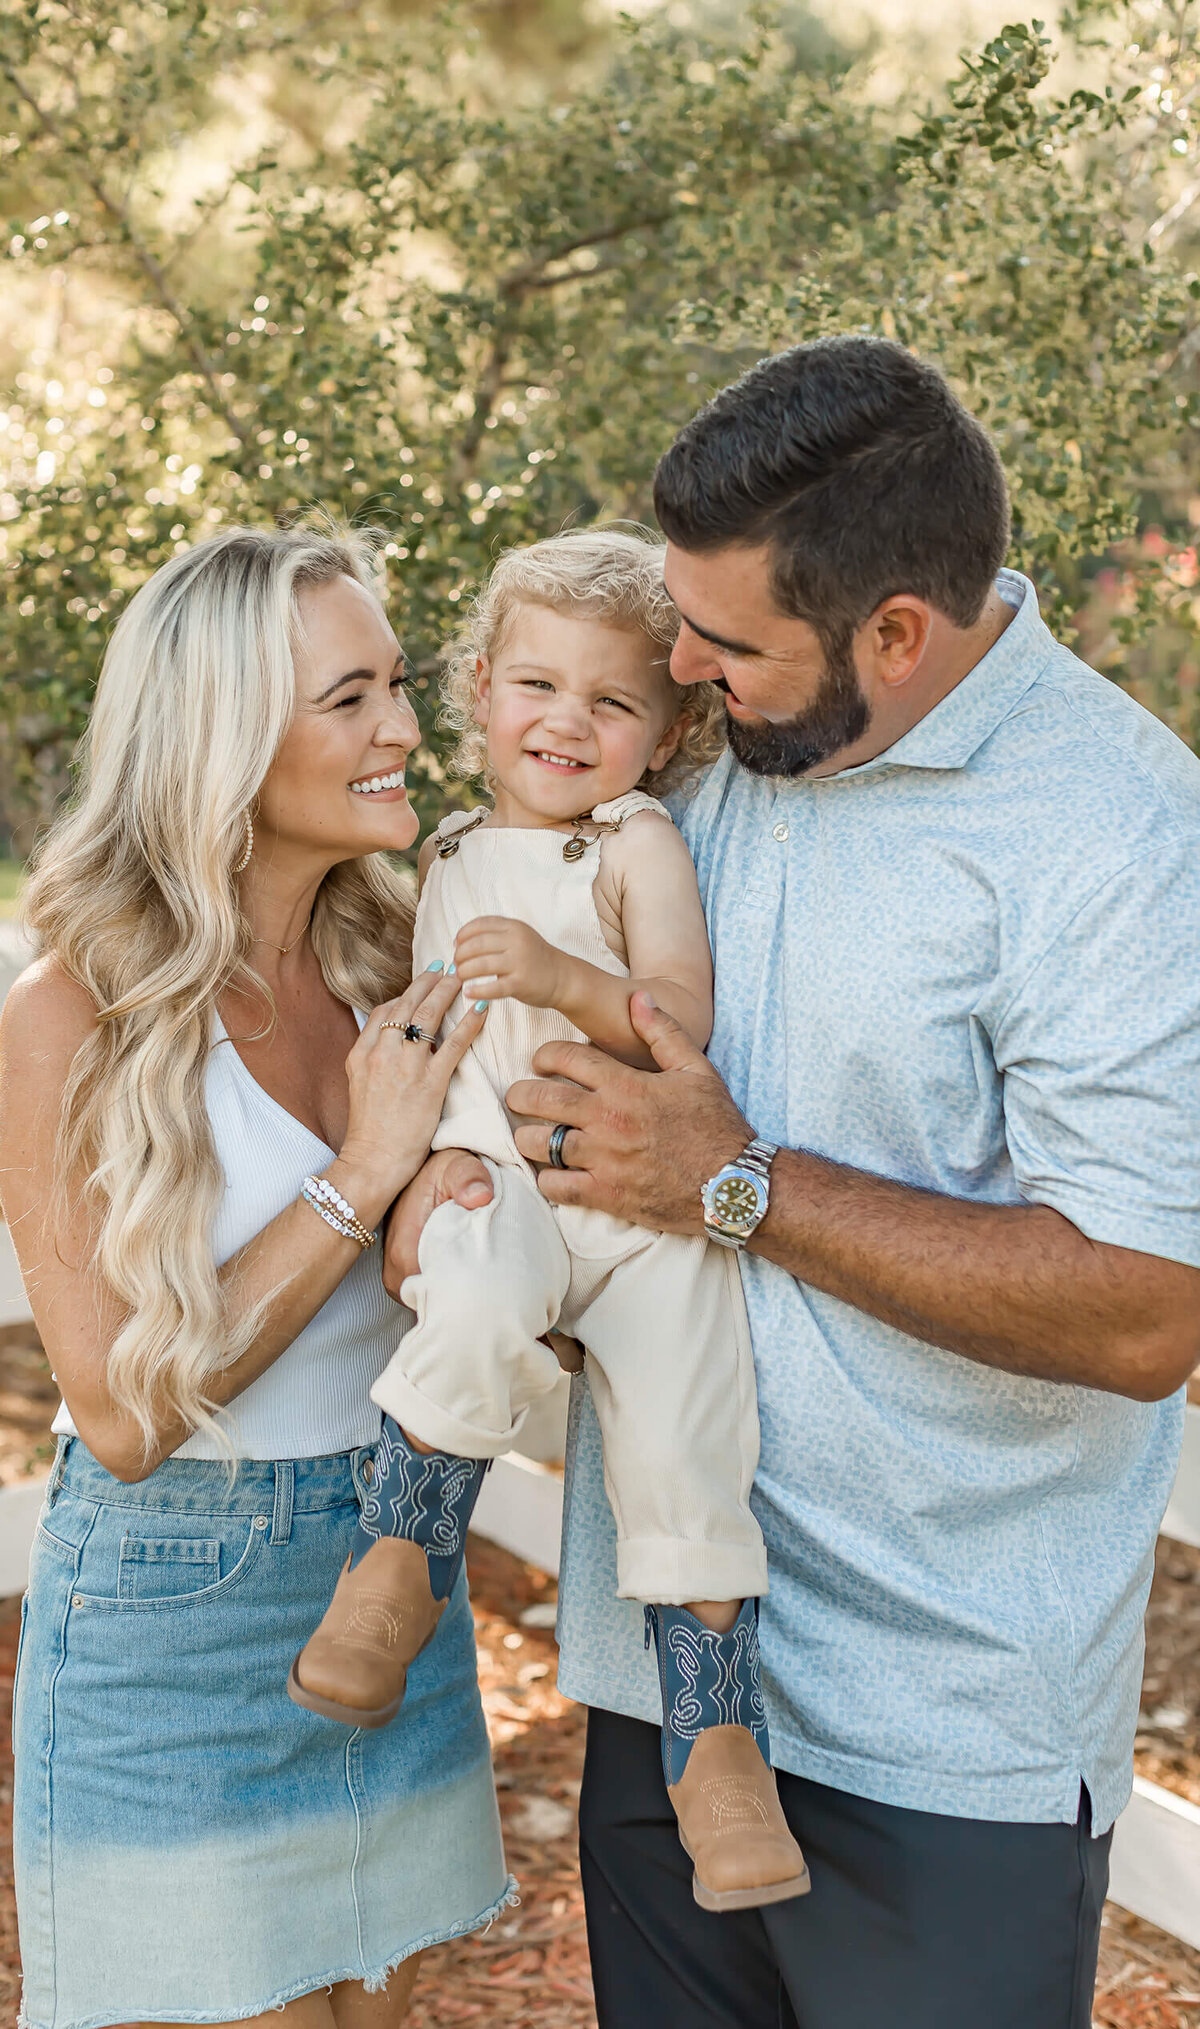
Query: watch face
x=736, y=1200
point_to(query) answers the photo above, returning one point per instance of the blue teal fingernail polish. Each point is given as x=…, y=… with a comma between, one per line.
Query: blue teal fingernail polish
x=436, y=966
x=452, y=967
x=480, y=1005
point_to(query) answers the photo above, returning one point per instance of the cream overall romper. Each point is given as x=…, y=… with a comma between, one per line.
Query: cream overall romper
x=662, y=1316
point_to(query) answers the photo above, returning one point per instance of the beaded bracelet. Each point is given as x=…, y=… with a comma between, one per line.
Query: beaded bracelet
x=336, y=1210
x=356, y=1232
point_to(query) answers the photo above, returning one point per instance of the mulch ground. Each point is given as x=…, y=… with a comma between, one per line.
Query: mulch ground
x=1168, y=1738
x=28, y=1401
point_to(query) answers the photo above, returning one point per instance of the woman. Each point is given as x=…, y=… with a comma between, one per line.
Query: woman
x=199, y=1133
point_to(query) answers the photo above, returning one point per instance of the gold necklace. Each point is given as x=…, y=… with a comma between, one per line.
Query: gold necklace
x=283, y=949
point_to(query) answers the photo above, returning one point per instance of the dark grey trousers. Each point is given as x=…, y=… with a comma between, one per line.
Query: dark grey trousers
x=914, y=1921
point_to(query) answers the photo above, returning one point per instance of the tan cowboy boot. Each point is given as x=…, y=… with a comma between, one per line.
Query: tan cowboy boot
x=732, y=1825
x=355, y=1667
x=717, y=1761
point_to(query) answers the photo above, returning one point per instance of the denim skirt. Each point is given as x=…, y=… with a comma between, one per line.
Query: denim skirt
x=191, y=1846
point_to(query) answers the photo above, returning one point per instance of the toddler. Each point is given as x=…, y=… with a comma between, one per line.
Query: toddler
x=572, y=889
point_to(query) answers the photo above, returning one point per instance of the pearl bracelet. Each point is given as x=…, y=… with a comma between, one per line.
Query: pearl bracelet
x=336, y=1210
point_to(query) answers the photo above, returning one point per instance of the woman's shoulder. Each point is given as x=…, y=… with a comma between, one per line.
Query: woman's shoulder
x=47, y=1014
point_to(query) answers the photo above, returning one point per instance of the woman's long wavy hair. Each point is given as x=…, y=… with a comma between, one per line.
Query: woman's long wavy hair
x=134, y=893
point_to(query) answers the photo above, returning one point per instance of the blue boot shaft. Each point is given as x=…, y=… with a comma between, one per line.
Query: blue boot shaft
x=428, y=1497
x=707, y=1679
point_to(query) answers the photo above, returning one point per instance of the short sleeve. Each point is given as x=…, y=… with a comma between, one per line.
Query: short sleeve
x=1099, y=1051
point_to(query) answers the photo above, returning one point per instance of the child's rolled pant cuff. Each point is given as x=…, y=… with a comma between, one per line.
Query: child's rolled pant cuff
x=430, y=1424
x=664, y=1571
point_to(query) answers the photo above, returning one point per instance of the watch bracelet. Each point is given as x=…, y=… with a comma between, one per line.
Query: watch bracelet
x=758, y=1155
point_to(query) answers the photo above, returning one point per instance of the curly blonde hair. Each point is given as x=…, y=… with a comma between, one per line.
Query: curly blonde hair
x=607, y=572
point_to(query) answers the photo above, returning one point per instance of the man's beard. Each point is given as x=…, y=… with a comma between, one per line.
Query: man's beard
x=837, y=717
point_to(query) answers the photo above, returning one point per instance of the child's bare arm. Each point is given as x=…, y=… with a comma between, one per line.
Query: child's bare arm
x=648, y=883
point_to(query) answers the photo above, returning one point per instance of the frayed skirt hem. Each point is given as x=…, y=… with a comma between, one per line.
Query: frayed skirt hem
x=374, y=1982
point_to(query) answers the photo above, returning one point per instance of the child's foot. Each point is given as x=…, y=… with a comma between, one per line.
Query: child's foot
x=355, y=1667
x=716, y=1756
x=393, y=1591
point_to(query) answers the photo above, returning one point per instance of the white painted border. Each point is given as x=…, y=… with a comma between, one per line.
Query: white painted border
x=20, y=1506
x=1182, y=1519
x=14, y=1305
x=1156, y=1860
x=520, y=1507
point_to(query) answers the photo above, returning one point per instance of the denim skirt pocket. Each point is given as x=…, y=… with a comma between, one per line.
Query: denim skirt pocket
x=120, y=1571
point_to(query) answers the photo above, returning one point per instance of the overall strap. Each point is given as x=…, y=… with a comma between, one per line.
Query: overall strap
x=613, y=815
x=454, y=827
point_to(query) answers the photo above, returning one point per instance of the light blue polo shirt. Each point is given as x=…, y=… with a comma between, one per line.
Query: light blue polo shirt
x=971, y=964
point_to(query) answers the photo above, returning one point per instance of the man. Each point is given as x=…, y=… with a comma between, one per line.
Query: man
x=952, y=880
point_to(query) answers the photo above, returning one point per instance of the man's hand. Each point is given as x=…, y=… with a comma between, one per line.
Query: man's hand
x=641, y=1142
x=451, y=1173
x=500, y=958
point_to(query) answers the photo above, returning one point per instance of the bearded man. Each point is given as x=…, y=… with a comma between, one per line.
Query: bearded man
x=952, y=880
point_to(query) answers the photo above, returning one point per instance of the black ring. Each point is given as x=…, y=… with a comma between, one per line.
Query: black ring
x=557, y=1138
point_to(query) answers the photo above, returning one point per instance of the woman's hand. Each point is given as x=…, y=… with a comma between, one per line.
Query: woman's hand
x=451, y=1173
x=398, y=1087
x=502, y=958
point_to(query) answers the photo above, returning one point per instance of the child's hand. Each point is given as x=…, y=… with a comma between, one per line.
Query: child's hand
x=497, y=957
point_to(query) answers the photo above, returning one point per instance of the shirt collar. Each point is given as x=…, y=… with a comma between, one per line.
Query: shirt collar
x=949, y=735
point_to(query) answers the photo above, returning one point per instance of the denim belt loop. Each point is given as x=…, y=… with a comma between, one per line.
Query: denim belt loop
x=57, y=1470
x=285, y=1491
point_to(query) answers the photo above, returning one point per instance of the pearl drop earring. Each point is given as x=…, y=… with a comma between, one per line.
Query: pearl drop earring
x=244, y=862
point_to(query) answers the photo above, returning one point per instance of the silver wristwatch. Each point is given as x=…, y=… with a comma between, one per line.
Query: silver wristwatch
x=735, y=1200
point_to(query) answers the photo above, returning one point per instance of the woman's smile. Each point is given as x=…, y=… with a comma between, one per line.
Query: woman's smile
x=387, y=788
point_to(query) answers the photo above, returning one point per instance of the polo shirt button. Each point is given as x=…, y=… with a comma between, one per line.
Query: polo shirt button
x=781, y=833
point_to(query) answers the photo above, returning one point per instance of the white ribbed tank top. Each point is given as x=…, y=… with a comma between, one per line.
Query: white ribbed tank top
x=315, y=1398
x=501, y=870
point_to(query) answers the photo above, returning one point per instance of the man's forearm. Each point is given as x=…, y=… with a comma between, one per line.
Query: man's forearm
x=1012, y=1286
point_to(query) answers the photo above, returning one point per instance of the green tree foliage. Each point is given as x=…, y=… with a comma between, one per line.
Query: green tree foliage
x=473, y=315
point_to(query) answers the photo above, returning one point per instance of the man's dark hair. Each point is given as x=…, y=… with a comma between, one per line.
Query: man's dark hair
x=859, y=468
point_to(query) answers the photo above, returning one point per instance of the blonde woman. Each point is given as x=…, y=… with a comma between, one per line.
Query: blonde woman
x=200, y=1131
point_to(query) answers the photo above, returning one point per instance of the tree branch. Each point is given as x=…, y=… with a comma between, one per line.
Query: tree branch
x=490, y=383
x=1183, y=204
x=149, y=266
x=527, y=275
x=574, y=275
x=517, y=283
